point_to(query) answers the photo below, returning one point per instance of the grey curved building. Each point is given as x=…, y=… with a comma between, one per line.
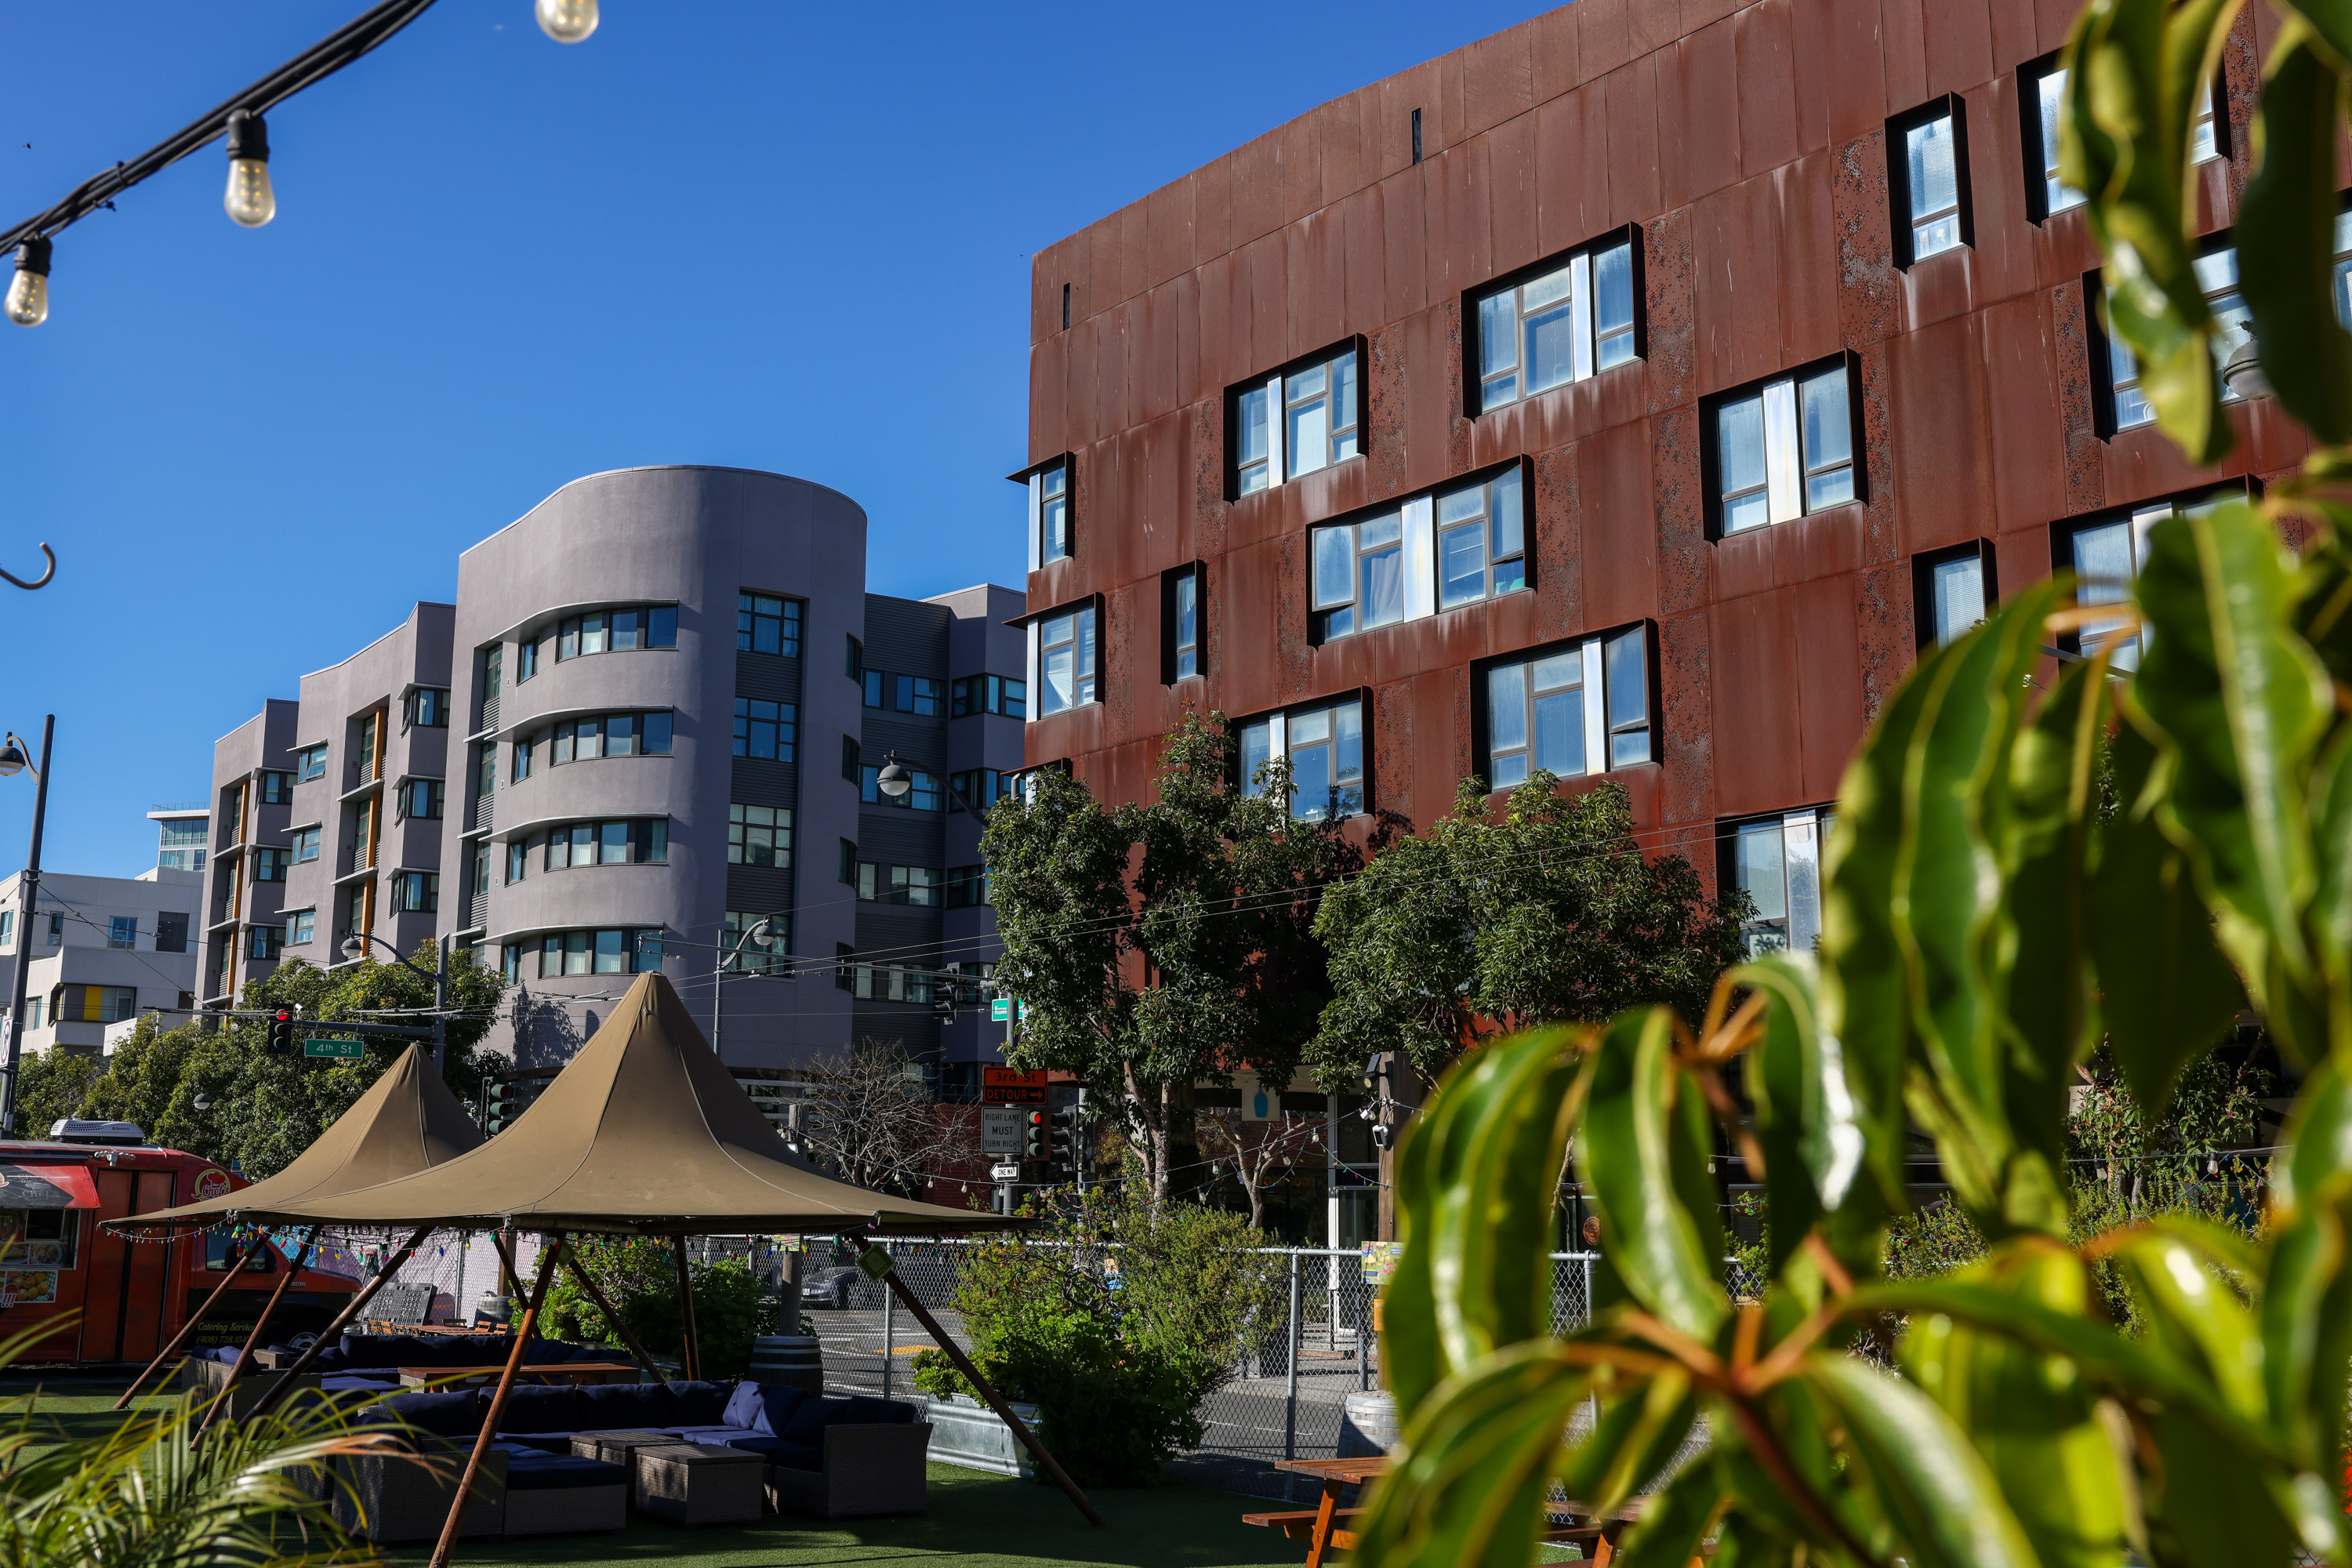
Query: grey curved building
x=652, y=720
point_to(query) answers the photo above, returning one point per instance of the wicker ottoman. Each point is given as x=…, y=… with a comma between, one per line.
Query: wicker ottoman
x=692, y=1483
x=548, y=1494
x=393, y=1497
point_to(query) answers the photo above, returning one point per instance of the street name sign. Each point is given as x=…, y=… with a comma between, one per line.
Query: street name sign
x=1002, y=1086
x=999, y=1130
x=315, y=1048
x=1000, y=1011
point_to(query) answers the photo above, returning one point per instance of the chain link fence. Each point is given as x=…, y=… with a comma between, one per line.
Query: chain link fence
x=1285, y=1395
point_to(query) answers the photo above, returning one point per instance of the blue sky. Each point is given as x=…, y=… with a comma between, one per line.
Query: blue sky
x=776, y=235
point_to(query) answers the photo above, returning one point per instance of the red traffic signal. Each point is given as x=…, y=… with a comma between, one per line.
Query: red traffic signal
x=281, y=1032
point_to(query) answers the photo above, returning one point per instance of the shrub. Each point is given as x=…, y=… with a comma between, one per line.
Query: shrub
x=639, y=1277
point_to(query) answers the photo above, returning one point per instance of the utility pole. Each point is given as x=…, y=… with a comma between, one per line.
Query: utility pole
x=28, y=897
x=441, y=1009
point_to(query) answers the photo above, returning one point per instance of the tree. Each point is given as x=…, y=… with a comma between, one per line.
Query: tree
x=50, y=1086
x=212, y=1086
x=1158, y=946
x=871, y=1120
x=1478, y=927
x=1258, y=1158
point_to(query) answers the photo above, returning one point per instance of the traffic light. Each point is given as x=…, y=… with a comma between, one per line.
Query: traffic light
x=281, y=1032
x=1063, y=1142
x=1033, y=1146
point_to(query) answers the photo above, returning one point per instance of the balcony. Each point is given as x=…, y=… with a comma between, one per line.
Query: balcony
x=489, y=721
x=357, y=862
x=482, y=814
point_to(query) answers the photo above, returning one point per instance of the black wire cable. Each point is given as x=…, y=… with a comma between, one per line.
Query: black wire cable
x=320, y=61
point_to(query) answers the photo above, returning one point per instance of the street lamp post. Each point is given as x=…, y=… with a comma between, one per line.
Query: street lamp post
x=355, y=947
x=13, y=760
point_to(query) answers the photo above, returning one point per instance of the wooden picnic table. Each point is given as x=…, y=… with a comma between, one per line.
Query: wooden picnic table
x=566, y=1371
x=1326, y=1524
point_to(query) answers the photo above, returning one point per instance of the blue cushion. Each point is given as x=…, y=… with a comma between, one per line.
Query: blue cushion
x=546, y=1353
x=777, y=1403
x=751, y=1443
x=540, y=1410
x=808, y=1423
x=611, y=1406
x=702, y=1403
x=743, y=1405
x=865, y=1410
x=340, y=1382
x=456, y=1413
x=531, y=1470
x=538, y=1442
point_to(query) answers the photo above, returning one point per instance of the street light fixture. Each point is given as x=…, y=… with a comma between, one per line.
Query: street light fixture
x=894, y=778
x=13, y=760
x=355, y=947
x=759, y=933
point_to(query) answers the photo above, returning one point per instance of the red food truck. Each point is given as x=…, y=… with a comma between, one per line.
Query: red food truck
x=119, y=1299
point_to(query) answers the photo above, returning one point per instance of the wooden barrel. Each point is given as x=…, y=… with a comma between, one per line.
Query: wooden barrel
x=794, y=1360
x=1368, y=1423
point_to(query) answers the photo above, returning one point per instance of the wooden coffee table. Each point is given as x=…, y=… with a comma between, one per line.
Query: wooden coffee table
x=574, y=1372
x=697, y=1483
x=620, y=1448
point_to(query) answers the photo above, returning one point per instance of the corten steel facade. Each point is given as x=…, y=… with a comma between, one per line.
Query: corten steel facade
x=1742, y=154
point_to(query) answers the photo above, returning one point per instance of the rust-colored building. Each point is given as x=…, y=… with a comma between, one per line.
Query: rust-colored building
x=1767, y=402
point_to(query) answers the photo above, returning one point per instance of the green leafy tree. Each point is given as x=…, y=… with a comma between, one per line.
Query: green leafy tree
x=1478, y=927
x=638, y=1275
x=52, y=1085
x=1161, y=945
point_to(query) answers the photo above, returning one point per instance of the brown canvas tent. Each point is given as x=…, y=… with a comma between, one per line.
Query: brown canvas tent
x=646, y=1134
x=407, y=1121
x=643, y=1133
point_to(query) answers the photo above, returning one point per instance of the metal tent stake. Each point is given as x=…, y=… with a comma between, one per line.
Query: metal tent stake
x=168, y=1352
x=987, y=1392
x=490, y=1417
x=333, y=1332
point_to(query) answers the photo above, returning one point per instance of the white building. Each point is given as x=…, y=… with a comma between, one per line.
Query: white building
x=103, y=950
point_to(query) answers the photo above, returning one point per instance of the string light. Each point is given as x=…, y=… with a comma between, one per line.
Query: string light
x=566, y=21
x=28, y=295
x=249, y=201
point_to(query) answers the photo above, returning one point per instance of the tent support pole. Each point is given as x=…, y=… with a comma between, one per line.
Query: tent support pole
x=260, y=1326
x=490, y=1417
x=596, y=1298
x=510, y=1282
x=335, y=1331
x=686, y=1306
x=201, y=1313
x=1051, y=1465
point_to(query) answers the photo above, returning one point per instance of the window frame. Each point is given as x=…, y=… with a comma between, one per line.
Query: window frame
x=790, y=616
x=1795, y=474
x=783, y=736
x=1172, y=649
x=1602, y=721
x=1923, y=584
x=425, y=707
x=2109, y=410
x=573, y=630
x=1087, y=686
x=301, y=927
x=1904, y=226
x=646, y=838
x=2033, y=141
x=974, y=695
x=1799, y=897
x=310, y=762
x=1420, y=552
x=1278, y=724
x=1275, y=388
x=780, y=835
x=1585, y=350
x=1033, y=478
x=2140, y=517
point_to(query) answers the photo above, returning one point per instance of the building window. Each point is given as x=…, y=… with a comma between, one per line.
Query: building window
x=57, y=930
x=2043, y=100
x=1927, y=179
x=844, y=973
x=1574, y=318
x=1776, y=862
x=1296, y=422
x=517, y=861
x=526, y=659
x=277, y=788
x=967, y=887
x=418, y=798
x=1326, y=747
x=1952, y=589
x=416, y=892
x=1359, y=575
x=764, y=730
x=1065, y=659
x=115, y=1004
x=7, y=926
x=270, y=865
x=2208, y=130
x=2106, y=558
x=923, y=791
x=1784, y=450
x=1481, y=544
x=301, y=925
x=122, y=931
x=768, y=957
x=600, y=735
x=914, y=885
x=522, y=751
x=973, y=694
x=265, y=941
x=305, y=845
x=980, y=788
x=2344, y=268
x=854, y=664
x=1578, y=709
x=624, y=841
x=626, y=950
x=849, y=862
x=1180, y=615
x=1049, y=516
x=171, y=932
x=626, y=628
x=2217, y=275
x=888, y=983
x=850, y=758
x=310, y=762
x=427, y=706
x=918, y=694
x=768, y=625
x=759, y=836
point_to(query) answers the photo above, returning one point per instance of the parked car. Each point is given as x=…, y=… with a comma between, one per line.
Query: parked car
x=829, y=1288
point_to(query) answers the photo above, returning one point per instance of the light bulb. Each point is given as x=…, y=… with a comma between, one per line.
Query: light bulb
x=28, y=296
x=249, y=202
x=566, y=21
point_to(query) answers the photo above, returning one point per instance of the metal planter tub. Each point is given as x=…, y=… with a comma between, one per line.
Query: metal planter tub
x=967, y=1433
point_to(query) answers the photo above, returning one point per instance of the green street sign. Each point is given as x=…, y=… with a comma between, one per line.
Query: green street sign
x=1000, y=1010
x=352, y=1049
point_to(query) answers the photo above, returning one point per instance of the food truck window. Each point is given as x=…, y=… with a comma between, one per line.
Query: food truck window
x=38, y=1239
x=221, y=1253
